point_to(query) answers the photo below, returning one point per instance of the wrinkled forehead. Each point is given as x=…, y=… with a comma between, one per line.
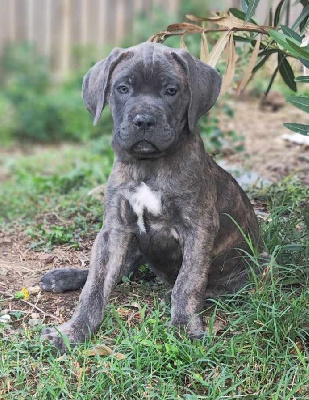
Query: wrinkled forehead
x=150, y=64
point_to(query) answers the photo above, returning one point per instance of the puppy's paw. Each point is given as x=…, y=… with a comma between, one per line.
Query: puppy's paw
x=60, y=280
x=62, y=337
x=193, y=326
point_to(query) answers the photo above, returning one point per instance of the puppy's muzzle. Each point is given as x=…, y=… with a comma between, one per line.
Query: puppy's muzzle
x=144, y=122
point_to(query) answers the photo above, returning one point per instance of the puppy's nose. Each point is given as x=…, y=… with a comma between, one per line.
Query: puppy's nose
x=144, y=121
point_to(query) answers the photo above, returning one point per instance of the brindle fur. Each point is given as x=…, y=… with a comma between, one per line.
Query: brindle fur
x=193, y=244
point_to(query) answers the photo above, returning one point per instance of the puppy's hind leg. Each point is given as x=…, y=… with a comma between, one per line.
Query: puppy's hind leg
x=61, y=280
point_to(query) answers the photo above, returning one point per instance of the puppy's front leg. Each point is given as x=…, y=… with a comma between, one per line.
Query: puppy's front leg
x=188, y=294
x=108, y=261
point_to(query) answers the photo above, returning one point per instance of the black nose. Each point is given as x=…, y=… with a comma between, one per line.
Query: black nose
x=144, y=121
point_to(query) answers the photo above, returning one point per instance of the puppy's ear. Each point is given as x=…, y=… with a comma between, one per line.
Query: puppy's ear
x=204, y=84
x=95, y=82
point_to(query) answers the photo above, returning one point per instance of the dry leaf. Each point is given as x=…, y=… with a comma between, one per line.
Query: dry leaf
x=104, y=351
x=100, y=350
x=119, y=356
x=216, y=16
x=299, y=345
x=194, y=18
x=182, y=43
x=230, y=21
x=34, y=290
x=218, y=325
x=231, y=64
x=204, y=53
x=188, y=28
x=47, y=258
x=250, y=65
x=217, y=50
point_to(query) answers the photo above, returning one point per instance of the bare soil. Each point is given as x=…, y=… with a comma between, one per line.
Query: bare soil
x=266, y=152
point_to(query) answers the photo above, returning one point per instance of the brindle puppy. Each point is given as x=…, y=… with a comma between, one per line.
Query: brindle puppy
x=167, y=203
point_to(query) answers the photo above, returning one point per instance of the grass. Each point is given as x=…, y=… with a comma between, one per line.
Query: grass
x=260, y=351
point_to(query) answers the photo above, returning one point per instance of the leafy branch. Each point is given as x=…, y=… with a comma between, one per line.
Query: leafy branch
x=264, y=40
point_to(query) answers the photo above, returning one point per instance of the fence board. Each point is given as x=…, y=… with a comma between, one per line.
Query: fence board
x=39, y=29
x=4, y=22
x=109, y=22
x=21, y=12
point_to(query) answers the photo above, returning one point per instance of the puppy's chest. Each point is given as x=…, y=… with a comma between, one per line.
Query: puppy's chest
x=147, y=212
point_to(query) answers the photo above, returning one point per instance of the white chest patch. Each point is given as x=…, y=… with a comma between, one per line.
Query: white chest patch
x=142, y=199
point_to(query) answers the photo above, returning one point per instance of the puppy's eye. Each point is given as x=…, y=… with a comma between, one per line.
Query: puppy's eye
x=123, y=89
x=171, y=91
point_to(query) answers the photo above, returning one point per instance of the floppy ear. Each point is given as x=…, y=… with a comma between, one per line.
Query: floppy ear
x=95, y=82
x=204, y=85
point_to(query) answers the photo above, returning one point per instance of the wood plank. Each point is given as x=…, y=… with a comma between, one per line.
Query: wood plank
x=21, y=13
x=39, y=29
x=56, y=35
x=93, y=22
x=110, y=22
x=76, y=32
x=4, y=24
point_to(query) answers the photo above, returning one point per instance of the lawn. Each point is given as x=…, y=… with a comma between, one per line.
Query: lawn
x=257, y=346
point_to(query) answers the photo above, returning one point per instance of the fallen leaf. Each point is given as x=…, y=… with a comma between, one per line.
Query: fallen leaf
x=299, y=346
x=34, y=290
x=3, y=271
x=119, y=356
x=5, y=318
x=104, y=351
x=23, y=294
x=100, y=350
x=47, y=258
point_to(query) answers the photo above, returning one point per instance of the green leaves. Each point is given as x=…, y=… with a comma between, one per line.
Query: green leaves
x=300, y=102
x=300, y=52
x=290, y=42
x=240, y=14
x=289, y=32
x=286, y=72
x=277, y=13
x=302, y=79
x=302, y=17
x=298, y=128
x=252, y=4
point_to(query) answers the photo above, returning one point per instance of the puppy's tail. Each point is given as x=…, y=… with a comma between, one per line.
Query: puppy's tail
x=61, y=280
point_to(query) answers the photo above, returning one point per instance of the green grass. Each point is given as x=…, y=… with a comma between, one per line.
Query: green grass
x=261, y=352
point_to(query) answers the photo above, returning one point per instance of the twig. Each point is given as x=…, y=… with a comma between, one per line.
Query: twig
x=165, y=34
x=39, y=309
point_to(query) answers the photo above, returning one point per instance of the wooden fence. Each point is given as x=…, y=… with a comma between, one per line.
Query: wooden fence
x=55, y=27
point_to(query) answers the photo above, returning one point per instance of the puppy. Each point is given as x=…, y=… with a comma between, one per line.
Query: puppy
x=167, y=203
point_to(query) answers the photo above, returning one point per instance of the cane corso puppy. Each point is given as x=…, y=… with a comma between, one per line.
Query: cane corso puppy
x=167, y=203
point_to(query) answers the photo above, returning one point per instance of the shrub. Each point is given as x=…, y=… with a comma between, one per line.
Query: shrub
x=34, y=108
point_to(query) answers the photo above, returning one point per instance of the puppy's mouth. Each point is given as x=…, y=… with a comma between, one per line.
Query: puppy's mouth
x=145, y=148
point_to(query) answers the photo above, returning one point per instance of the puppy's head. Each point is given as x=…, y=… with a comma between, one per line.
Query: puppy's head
x=156, y=95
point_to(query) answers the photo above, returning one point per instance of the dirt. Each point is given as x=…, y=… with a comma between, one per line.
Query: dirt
x=265, y=152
